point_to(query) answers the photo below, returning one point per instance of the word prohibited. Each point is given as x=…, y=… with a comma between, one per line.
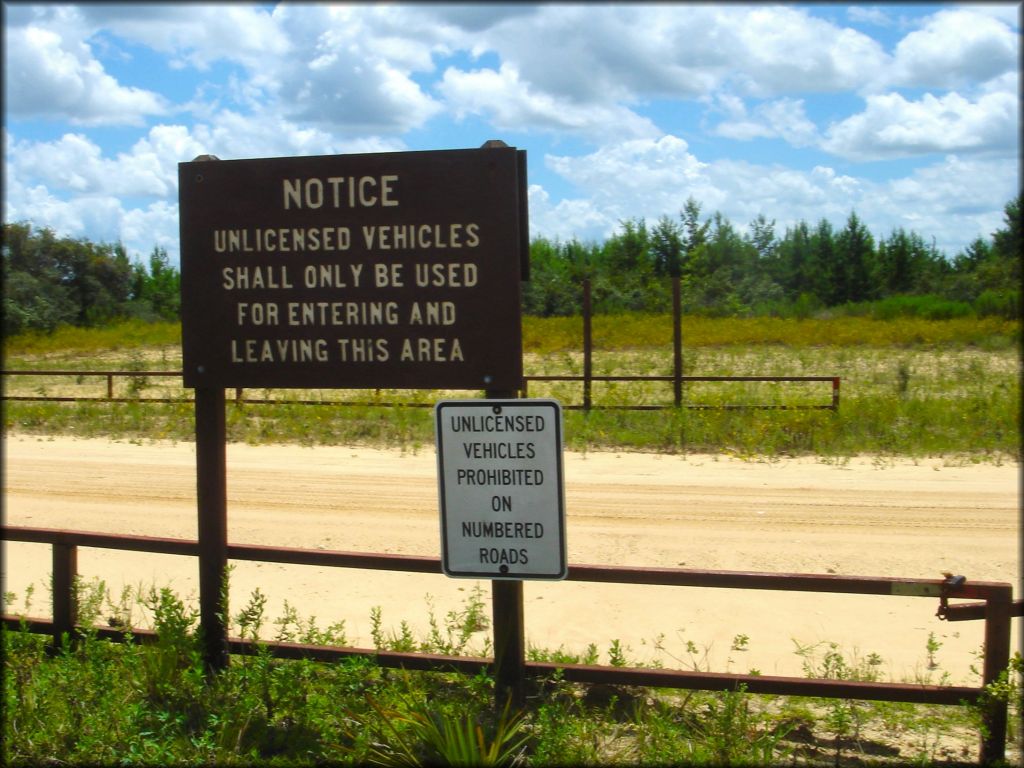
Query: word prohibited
x=502, y=489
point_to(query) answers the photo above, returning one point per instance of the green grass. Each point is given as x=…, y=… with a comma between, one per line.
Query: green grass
x=153, y=703
x=634, y=330
x=908, y=387
x=70, y=339
x=629, y=330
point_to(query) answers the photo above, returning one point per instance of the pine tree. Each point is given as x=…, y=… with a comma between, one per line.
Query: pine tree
x=667, y=247
x=856, y=254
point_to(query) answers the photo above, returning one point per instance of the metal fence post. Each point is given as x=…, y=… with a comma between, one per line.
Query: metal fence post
x=65, y=608
x=997, y=660
x=677, y=344
x=588, y=346
x=508, y=628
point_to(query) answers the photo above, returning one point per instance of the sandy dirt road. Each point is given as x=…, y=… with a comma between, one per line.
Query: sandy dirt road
x=861, y=517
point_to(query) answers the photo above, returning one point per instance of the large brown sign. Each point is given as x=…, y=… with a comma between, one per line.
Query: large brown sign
x=351, y=271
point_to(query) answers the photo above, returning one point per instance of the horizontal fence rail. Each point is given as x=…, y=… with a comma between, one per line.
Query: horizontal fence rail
x=996, y=610
x=586, y=381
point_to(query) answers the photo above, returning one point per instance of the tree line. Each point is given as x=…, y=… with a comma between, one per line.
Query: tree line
x=51, y=281
x=806, y=270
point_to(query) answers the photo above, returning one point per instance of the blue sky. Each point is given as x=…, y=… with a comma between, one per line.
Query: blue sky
x=907, y=114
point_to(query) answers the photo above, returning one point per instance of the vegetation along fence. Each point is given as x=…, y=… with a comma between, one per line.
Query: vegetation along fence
x=587, y=379
x=509, y=664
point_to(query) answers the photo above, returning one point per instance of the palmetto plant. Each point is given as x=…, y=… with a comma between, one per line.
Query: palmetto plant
x=418, y=735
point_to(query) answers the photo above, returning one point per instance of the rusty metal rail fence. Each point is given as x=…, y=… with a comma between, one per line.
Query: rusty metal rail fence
x=109, y=375
x=996, y=608
x=587, y=380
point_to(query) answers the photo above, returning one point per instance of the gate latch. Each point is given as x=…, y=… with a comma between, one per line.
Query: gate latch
x=951, y=582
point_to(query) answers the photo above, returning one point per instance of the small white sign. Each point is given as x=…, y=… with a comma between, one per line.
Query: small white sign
x=502, y=489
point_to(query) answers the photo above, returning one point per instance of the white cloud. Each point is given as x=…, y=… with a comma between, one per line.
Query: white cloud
x=782, y=50
x=640, y=177
x=1008, y=83
x=842, y=183
x=783, y=119
x=94, y=217
x=47, y=75
x=75, y=164
x=70, y=185
x=469, y=18
x=637, y=178
x=90, y=198
x=99, y=218
x=155, y=225
x=72, y=163
x=893, y=126
x=954, y=48
x=566, y=219
x=651, y=179
x=511, y=104
x=195, y=35
x=953, y=200
x=564, y=61
x=1008, y=13
x=957, y=184
x=745, y=190
x=869, y=15
x=589, y=55
x=349, y=70
x=234, y=135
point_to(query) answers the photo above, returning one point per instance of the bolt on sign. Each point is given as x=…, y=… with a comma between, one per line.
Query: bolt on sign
x=352, y=271
x=502, y=489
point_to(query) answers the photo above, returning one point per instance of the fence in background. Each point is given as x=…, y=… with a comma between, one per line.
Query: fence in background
x=587, y=379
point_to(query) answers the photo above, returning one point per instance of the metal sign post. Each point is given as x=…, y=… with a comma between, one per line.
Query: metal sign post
x=502, y=495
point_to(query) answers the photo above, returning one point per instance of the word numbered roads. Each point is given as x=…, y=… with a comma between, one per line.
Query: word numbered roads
x=502, y=489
